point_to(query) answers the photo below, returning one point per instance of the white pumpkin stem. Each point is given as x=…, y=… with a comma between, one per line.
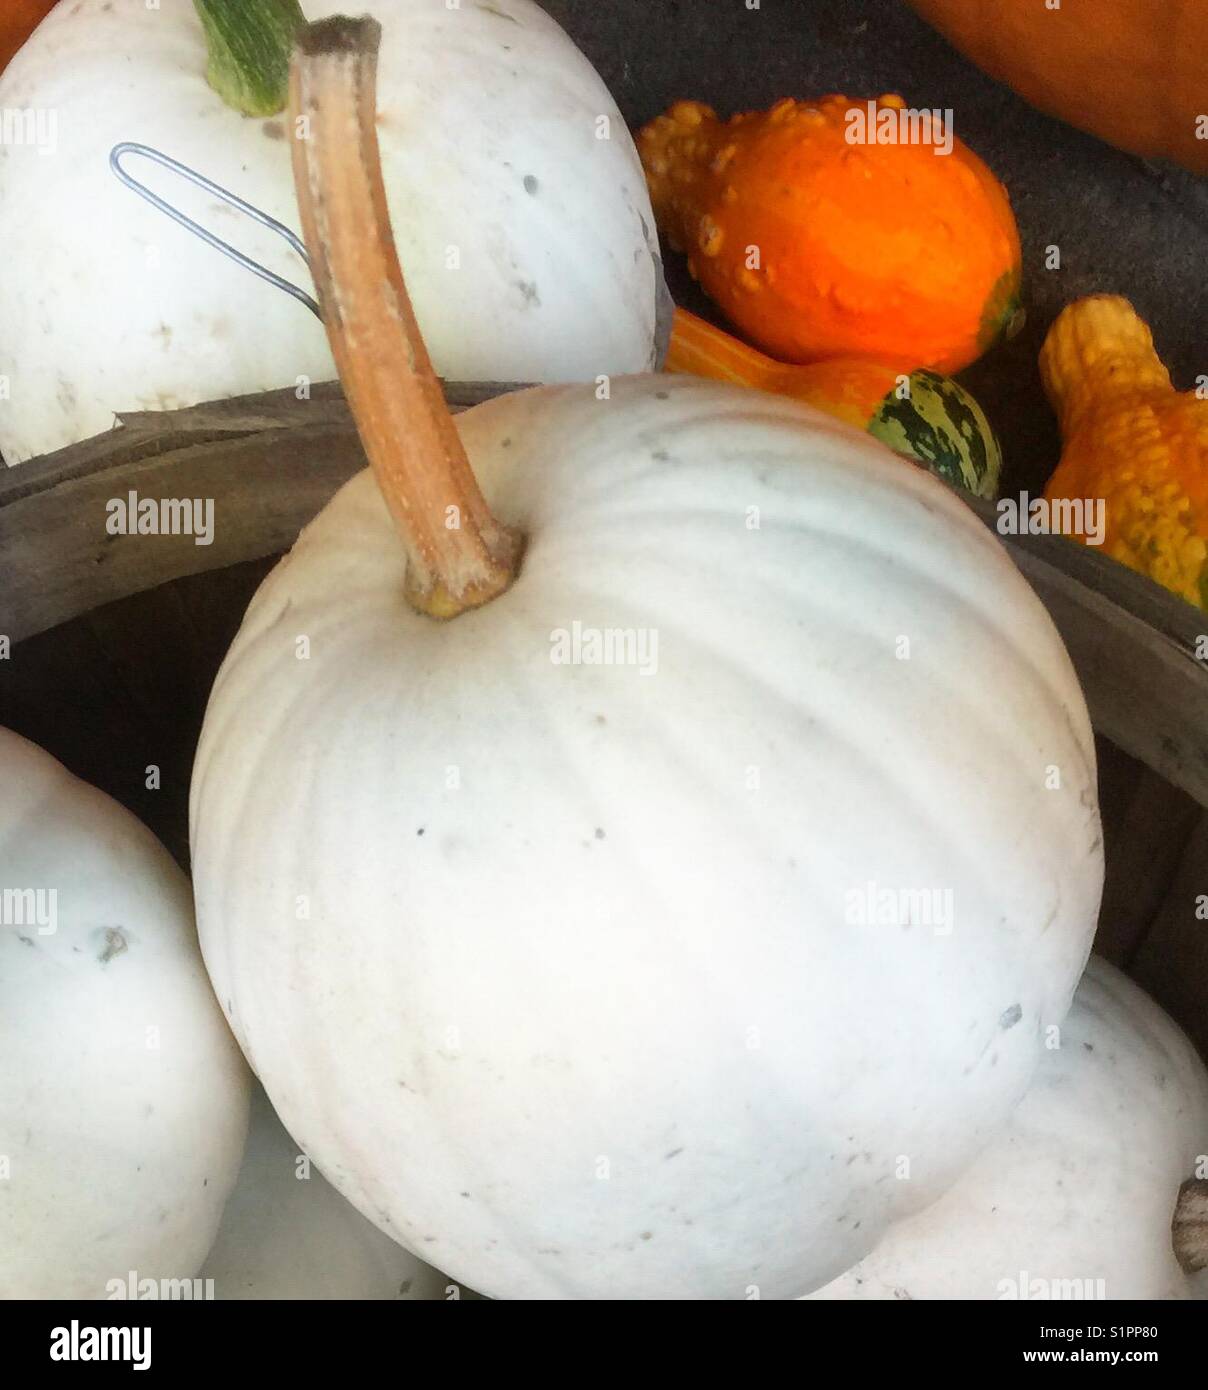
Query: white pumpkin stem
x=459, y=555
x=1189, y=1229
x=249, y=44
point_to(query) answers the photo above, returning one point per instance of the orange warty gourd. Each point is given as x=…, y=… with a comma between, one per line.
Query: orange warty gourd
x=1131, y=439
x=18, y=20
x=1133, y=72
x=818, y=247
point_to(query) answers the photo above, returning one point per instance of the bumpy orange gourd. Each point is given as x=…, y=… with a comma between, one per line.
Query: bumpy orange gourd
x=1133, y=72
x=1132, y=440
x=817, y=246
x=17, y=21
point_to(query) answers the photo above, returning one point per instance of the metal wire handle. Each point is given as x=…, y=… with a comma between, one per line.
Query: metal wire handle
x=129, y=147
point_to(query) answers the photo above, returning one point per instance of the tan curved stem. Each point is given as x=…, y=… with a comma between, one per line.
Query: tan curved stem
x=459, y=555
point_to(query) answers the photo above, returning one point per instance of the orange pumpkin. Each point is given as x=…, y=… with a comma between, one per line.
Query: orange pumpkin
x=1133, y=72
x=820, y=238
x=18, y=19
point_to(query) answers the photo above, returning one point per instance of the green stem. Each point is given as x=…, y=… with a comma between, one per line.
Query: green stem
x=250, y=42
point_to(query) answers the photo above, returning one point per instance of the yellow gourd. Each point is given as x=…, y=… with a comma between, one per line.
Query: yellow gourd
x=1131, y=440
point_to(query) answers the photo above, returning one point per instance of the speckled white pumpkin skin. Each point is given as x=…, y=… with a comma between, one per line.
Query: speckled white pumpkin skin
x=123, y=1097
x=549, y=966
x=1076, y=1196
x=529, y=242
x=287, y=1233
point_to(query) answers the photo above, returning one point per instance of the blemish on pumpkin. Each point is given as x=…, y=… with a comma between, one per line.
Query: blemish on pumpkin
x=405, y=1288
x=647, y=1235
x=673, y=1153
x=528, y=288
x=115, y=944
x=661, y=456
x=530, y=184
x=599, y=833
x=1010, y=1017
x=274, y=130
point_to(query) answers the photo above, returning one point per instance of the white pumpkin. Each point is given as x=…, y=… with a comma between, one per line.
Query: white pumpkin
x=1075, y=1199
x=287, y=1233
x=123, y=1098
x=545, y=928
x=519, y=205
x=557, y=970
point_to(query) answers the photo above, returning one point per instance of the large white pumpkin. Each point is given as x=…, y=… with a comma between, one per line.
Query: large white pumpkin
x=287, y=1233
x=123, y=1098
x=686, y=972
x=1075, y=1199
x=528, y=239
